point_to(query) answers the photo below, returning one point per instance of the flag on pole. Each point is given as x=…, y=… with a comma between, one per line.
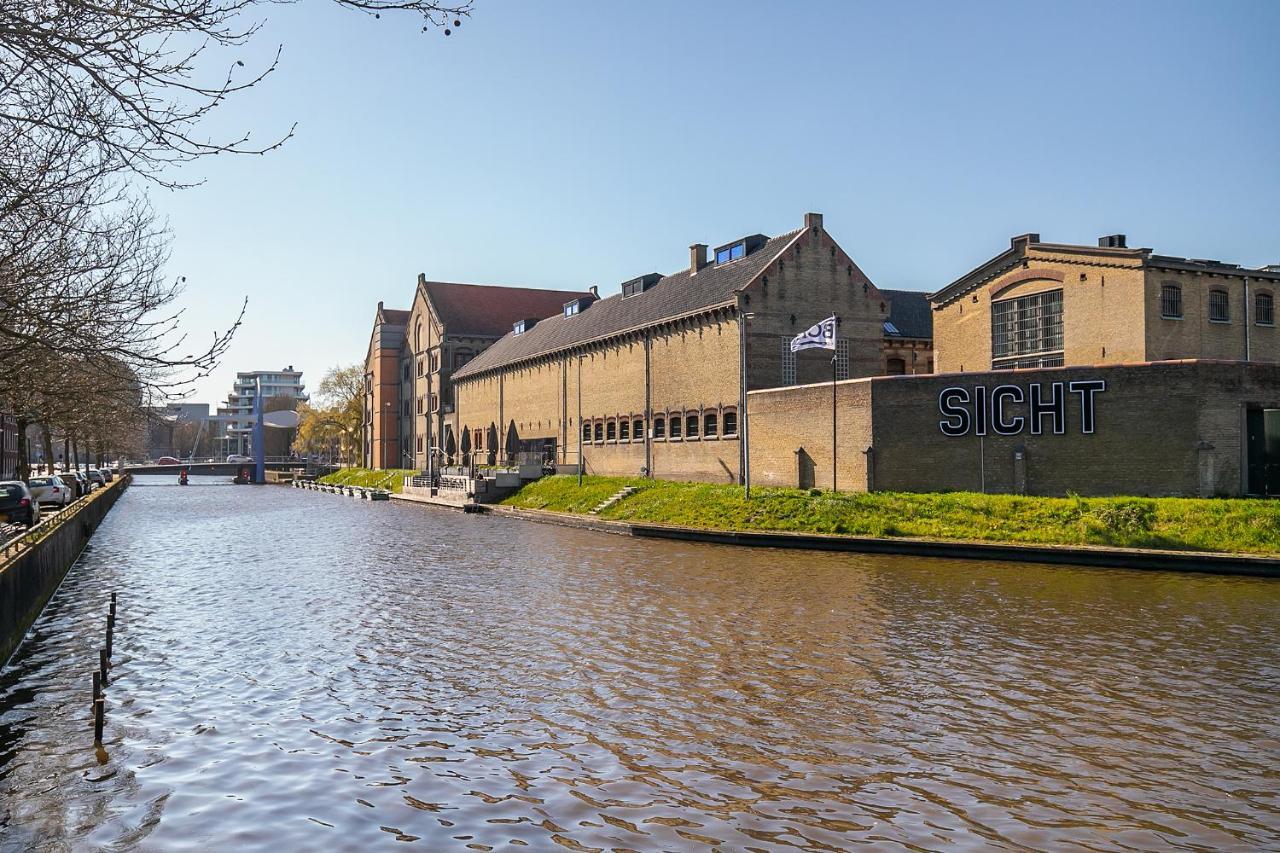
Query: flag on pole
x=820, y=335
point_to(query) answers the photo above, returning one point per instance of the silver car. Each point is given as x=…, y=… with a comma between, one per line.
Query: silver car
x=51, y=490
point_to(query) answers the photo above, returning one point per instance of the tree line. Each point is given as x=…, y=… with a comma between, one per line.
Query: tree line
x=100, y=104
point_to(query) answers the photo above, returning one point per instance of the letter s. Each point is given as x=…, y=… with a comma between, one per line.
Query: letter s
x=953, y=403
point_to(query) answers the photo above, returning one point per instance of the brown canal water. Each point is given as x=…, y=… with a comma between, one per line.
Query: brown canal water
x=302, y=671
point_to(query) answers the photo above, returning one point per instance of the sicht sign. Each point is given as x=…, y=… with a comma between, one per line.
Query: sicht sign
x=1010, y=409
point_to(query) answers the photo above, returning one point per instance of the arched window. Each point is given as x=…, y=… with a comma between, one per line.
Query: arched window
x=675, y=425
x=730, y=422
x=1171, y=302
x=1264, y=309
x=624, y=429
x=710, y=425
x=637, y=428
x=586, y=431
x=895, y=367
x=1219, y=307
x=417, y=337
x=599, y=428
x=659, y=427
x=691, y=425
x=611, y=430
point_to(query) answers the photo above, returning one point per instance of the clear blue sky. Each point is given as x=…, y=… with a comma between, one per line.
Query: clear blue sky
x=567, y=144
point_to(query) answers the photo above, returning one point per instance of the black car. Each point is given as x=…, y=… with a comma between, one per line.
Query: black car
x=17, y=505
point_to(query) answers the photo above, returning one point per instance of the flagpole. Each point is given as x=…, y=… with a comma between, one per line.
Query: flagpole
x=833, y=422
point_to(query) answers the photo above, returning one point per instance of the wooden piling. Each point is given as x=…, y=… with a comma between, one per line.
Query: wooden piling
x=102, y=666
x=110, y=626
x=97, y=685
x=99, y=718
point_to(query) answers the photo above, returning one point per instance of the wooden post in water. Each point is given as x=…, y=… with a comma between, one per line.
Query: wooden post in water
x=110, y=626
x=97, y=685
x=99, y=719
x=102, y=666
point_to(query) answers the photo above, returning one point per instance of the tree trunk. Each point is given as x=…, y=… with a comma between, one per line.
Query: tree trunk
x=23, y=470
x=47, y=438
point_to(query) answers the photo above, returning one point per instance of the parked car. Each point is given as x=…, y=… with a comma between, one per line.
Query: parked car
x=51, y=490
x=169, y=460
x=236, y=457
x=95, y=477
x=107, y=474
x=82, y=482
x=17, y=505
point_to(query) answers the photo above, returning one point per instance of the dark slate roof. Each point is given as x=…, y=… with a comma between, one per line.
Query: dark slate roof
x=487, y=311
x=394, y=316
x=909, y=313
x=675, y=295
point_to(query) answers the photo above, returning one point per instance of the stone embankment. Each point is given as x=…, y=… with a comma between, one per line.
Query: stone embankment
x=33, y=564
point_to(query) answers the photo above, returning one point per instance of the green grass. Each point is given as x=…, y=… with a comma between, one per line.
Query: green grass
x=392, y=479
x=1250, y=526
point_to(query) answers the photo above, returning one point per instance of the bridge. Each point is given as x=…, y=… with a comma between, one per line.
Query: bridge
x=229, y=469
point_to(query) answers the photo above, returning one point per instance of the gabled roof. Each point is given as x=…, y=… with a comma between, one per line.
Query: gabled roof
x=909, y=314
x=394, y=316
x=676, y=295
x=487, y=310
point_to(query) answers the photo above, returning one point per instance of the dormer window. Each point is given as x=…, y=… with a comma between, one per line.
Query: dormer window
x=519, y=327
x=576, y=306
x=731, y=253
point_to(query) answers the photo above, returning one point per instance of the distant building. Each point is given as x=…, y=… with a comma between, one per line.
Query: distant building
x=413, y=354
x=235, y=418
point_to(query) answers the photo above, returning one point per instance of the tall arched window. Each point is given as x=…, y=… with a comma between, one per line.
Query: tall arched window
x=599, y=430
x=659, y=427
x=675, y=425
x=710, y=425
x=1264, y=309
x=730, y=422
x=417, y=337
x=1171, y=302
x=691, y=425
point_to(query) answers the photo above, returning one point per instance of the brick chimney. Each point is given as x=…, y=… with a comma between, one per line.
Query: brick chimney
x=812, y=220
x=697, y=257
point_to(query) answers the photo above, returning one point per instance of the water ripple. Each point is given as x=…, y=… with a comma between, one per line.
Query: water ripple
x=300, y=671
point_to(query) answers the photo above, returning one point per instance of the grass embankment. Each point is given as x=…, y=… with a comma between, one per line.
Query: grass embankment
x=391, y=479
x=1251, y=526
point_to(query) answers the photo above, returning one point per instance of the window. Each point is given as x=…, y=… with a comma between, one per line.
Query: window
x=675, y=426
x=637, y=429
x=611, y=431
x=895, y=367
x=731, y=253
x=435, y=362
x=419, y=405
x=659, y=427
x=1264, y=312
x=599, y=430
x=1171, y=302
x=624, y=430
x=1219, y=307
x=1026, y=326
x=709, y=425
x=435, y=403
x=586, y=432
x=788, y=362
x=419, y=367
x=419, y=444
x=730, y=422
x=460, y=358
x=691, y=425
x=842, y=358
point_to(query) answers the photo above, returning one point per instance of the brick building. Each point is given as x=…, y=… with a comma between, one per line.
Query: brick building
x=412, y=355
x=650, y=379
x=1045, y=304
x=1045, y=431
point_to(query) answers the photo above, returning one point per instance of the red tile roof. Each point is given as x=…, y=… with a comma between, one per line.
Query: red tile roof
x=486, y=310
x=395, y=316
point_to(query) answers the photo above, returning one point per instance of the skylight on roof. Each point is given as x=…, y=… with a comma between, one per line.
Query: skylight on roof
x=891, y=329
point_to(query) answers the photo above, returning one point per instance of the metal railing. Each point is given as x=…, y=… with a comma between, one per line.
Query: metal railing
x=16, y=545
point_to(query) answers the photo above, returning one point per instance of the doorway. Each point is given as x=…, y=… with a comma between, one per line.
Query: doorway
x=1262, y=427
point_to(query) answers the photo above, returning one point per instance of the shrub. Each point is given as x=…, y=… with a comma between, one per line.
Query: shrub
x=1126, y=517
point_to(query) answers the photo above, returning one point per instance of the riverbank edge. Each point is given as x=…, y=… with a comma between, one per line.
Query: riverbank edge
x=1075, y=555
x=33, y=576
